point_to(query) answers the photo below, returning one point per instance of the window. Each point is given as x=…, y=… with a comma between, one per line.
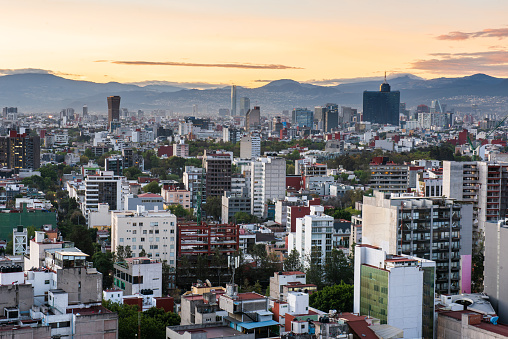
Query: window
x=133, y=247
x=121, y=239
x=46, y=282
x=156, y=231
x=134, y=224
x=145, y=232
x=154, y=223
x=133, y=239
x=172, y=231
x=142, y=239
x=157, y=239
x=172, y=239
x=140, y=247
x=140, y=224
x=134, y=232
x=150, y=232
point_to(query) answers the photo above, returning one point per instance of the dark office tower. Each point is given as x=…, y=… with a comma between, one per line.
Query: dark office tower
x=381, y=107
x=331, y=120
x=218, y=173
x=244, y=106
x=233, y=100
x=253, y=119
x=347, y=114
x=113, y=109
x=7, y=110
x=302, y=117
x=85, y=111
x=20, y=151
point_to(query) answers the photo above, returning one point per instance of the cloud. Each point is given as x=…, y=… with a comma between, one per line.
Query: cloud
x=188, y=64
x=455, y=63
x=499, y=33
x=13, y=71
x=339, y=81
x=182, y=85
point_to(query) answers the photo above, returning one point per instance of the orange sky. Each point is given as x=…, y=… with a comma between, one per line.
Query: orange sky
x=242, y=42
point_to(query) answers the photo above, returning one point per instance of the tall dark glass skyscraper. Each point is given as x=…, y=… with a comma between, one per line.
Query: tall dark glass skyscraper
x=113, y=109
x=381, y=107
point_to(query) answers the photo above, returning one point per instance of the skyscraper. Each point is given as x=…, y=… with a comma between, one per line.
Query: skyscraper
x=233, y=100
x=302, y=117
x=381, y=107
x=331, y=117
x=113, y=109
x=244, y=105
x=85, y=111
x=253, y=119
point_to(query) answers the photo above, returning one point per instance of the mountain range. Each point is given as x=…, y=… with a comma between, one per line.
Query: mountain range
x=37, y=93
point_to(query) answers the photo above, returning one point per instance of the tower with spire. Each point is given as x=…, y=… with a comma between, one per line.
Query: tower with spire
x=382, y=107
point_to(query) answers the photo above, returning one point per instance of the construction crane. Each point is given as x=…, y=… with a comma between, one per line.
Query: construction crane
x=200, y=197
x=475, y=149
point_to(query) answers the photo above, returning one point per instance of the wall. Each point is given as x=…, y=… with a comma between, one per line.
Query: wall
x=16, y=296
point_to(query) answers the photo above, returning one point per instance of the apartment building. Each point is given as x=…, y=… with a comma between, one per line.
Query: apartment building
x=394, y=289
x=194, y=179
x=140, y=275
x=268, y=182
x=433, y=229
x=218, y=173
x=386, y=176
x=105, y=187
x=153, y=232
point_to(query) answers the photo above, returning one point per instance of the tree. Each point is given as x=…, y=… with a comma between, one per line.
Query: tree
x=293, y=262
x=83, y=160
x=338, y=268
x=179, y=211
x=142, y=253
x=103, y=262
x=337, y=297
x=245, y=218
x=132, y=173
x=81, y=236
x=166, y=270
x=290, y=169
x=128, y=252
x=120, y=253
x=213, y=207
x=152, y=187
x=314, y=271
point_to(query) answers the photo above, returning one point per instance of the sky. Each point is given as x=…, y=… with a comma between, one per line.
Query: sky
x=249, y=43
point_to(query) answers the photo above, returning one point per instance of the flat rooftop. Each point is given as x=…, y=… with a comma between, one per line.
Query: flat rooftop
x=214, y=332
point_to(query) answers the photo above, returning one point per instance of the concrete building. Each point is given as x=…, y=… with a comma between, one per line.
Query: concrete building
x=313, y=234
x=233, y=203
x=302, y=117
x=244, y=106
x=281, y=279
x=233, y=100
x=434, y=229
x=115, y=164
x=268, y=182
x=467, y=324
x=206, y=239
x=154, y=232
x=181, y=150
x=20, y=151
x=250, y=147
x=100, y=219
x=200, y=305
x=211, y=330
x=496, y=278
x=140, y=275
x=194, y=179
x=177, y=197
x=387, y=176
x=113, y=109
x=104, y=187
x=253, y=119
x=398, y=290
x=150, y=202
x=218, y=173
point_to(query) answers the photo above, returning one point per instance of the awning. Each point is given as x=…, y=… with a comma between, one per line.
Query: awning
x=258, y=324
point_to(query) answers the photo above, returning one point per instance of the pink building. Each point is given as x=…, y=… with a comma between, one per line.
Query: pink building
x=173, y=197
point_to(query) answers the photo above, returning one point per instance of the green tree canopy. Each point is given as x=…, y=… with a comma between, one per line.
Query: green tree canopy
x=338, y=268
x=293, y=262
x=337, y=297
x=152, y=187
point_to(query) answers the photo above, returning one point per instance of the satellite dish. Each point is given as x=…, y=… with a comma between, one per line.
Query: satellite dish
x=208, y=283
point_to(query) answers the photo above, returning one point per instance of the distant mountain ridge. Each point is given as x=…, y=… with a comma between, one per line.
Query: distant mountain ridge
x=32, y=92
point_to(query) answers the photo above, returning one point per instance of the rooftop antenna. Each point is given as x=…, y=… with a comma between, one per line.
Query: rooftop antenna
x=385, y=76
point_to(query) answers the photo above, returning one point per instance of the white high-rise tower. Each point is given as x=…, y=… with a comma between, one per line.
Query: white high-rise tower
x=233, y=100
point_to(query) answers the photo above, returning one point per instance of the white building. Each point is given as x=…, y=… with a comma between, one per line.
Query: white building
x=250, y=147
x=268, y=182
x=138, y=275
x=104, y=188
x=154, y=232
x=314, y=231
x=398, y=290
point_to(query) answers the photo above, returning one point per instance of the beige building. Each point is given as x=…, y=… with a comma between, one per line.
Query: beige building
x=177, y=197
x=154, y=232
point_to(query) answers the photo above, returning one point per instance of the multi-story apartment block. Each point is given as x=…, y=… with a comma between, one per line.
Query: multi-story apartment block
x=181, y=150
x=218, y=173
x=313, y=236
x=206, y=239
x=250, y=147
x=268, y=182
x=177, y=197
x=434, y=229
x=387, y=176
x=152, y=232
x=115, y=164
x=150, y=202
x=194, y=179
x=105, y=187
x=281, y=279
x=233, y=203
x=20, y=151
x=139, y=276
x=395, y=288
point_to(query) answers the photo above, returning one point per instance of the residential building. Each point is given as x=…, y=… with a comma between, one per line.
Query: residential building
x=152, y=232
x=381, y=107
x=268, y=182
x=434, y=229
x=207, y=239
x=176, y=197
x=281, y=279
x=398, y=290
x=331, y=117
x=139, y=275
x=20, y=151
x=150, y=202
x=496, y=278
x=247, y=312
x=200, y=305
x=105, y=187
x=181, y=150
x=250, y=147
x=313, y=236
x=132, y=159
x=194, y=179
x=115, y=164
x=218, y=173
x=233, y=203
x=386, y=176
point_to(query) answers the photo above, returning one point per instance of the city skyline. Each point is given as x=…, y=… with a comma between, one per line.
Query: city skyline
x=224, y=42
